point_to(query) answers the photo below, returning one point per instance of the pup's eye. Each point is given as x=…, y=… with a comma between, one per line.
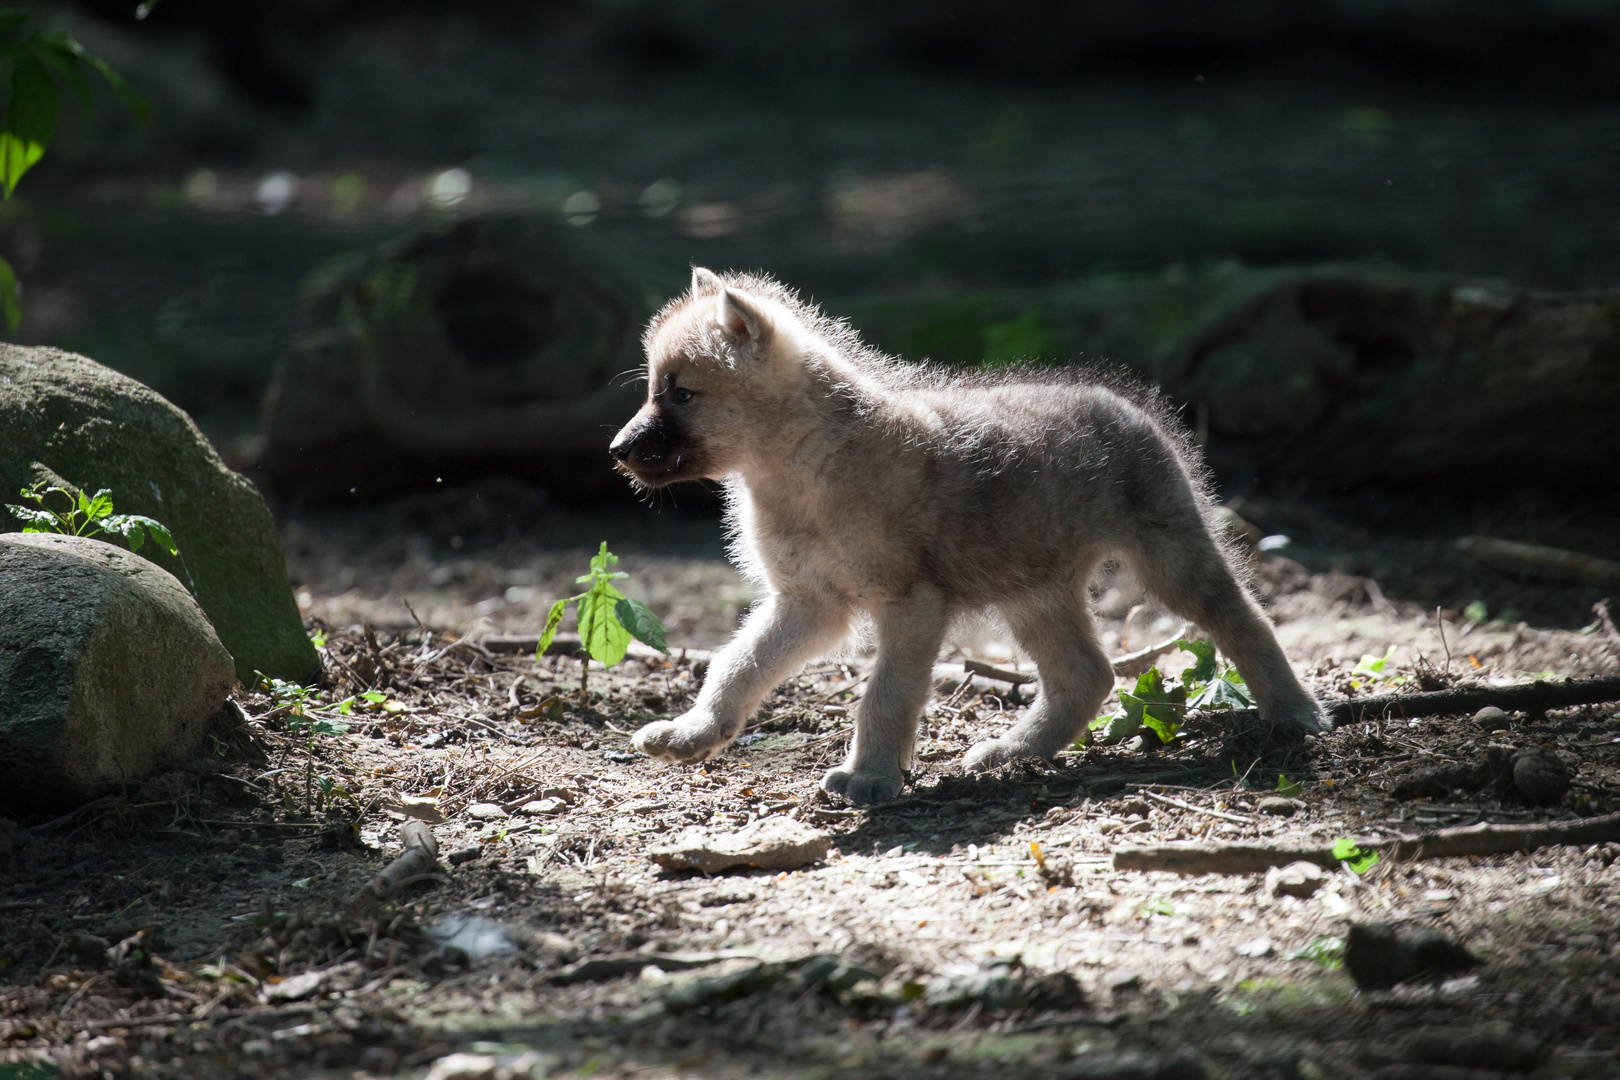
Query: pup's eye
x=682, y=395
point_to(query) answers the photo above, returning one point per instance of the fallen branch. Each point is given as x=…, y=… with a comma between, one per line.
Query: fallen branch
x=420, y=858
x=1541, y=563
x=1133, y=664
x=1482, y=839
x=1537, y=696
x=1198, y=809
x=985, y=671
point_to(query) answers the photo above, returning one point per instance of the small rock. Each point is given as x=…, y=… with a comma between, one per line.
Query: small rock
x=772, y=843
x=1540, y=777
x=552, y=805
x=1109, y=825
x=1490, y=718
x=464, y=854
x=1299, y=879
x=296, y=987
x=1380, y=955
x=1279, y=806
x=723, y=988
x=1139, y=807
x=464, y=1067
x=485, y=811
x=1139, y=826
x=1122, y=981
x=472, y=936
x=1255, y=947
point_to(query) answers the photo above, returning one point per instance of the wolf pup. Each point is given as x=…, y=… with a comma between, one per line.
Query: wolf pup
x=859, y=484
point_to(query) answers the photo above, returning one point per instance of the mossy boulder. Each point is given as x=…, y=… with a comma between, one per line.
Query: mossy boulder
x=108, y=668
x=494, y=346
x=99, y=429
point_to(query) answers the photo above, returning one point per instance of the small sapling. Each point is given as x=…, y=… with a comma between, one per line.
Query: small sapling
x=85, y=515
x=1160, y=705
x=607, y=618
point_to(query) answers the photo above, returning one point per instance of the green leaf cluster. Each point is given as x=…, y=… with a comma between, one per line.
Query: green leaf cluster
x=1359, y=858
x=30, y=63
x=607, y=618
x=85, y=515
x=1372, y=668
x=1161, y=705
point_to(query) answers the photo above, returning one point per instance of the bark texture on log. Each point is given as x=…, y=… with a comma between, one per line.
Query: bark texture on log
x=492, y=347
x=1481, y=839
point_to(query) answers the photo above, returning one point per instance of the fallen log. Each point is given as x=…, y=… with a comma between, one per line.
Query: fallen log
x=1482, y=839
x=1539, y=563
x=421, y=856
x=1535, y=696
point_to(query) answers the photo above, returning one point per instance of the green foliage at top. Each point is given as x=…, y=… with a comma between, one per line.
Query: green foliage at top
x=85, y=515
x=31, y=62
x=1160, y=705
x=607, y=618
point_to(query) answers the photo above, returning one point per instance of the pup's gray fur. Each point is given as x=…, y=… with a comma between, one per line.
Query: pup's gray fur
x=856, y=483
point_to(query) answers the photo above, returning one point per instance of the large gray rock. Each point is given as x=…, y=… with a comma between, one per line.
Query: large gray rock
x=107, y=668
x=99, y=429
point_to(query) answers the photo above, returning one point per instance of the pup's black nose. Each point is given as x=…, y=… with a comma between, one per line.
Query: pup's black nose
x=622, y=445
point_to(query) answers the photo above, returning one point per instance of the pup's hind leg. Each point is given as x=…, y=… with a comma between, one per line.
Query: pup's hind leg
x=909, y=636
x=1181, y=564
x=780, y=635
x=1055, y=630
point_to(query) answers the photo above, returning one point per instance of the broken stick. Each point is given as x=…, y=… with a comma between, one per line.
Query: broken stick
x=1535, y=696
x=1482, y=839
x=420, y=857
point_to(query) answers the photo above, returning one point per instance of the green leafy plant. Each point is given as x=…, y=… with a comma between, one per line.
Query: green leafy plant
x=85, y=515
x=607, y=618
x=300, y=702
x=1326, y=950
x=1160, y=705
x=1360, y=859
x=1287, y=788
x=31, y=61
x=1374, y=668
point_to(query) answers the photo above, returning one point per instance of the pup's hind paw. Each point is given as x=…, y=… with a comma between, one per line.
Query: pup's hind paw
x=862, y=788
x=992, y=753
x=679, y=741
x=1306, y=715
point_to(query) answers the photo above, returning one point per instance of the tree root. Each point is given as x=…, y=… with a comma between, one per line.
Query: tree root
x=1482, y=839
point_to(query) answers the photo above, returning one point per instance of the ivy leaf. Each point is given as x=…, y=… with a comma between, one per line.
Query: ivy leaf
x=1204, y=669
x=1360, y=859
x=1229, y=691
x=1159, y=706
x=643, y=625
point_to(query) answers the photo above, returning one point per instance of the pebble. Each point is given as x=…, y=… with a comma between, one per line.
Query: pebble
x=772, y=843
x=1540, y=777
x=1278, y=806
x=1139, y=807
x=463, y=1067
x=552, y=805
x=1122, y=980
x=1300, y=879
x=1139, y=826
x=1490, y=718
x=1109, y=825
x=464, y=854
x=485, y=811
x=1255, y=947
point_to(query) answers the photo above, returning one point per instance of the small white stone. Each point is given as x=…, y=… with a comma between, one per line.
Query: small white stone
x=1300, y=879
x=485, y=811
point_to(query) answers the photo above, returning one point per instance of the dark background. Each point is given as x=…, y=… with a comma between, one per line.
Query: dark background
x=927, y=168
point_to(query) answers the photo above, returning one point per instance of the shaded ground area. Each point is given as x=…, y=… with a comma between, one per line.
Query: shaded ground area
x=211, y=921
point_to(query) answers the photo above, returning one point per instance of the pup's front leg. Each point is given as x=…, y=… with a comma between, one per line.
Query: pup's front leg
x=781, y=633
x=909, y=636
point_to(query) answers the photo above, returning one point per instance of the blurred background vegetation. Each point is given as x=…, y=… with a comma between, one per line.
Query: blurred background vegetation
x=972, y=182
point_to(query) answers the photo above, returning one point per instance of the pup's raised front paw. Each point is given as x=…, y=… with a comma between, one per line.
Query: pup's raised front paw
x=862, y=788
x=680, y=741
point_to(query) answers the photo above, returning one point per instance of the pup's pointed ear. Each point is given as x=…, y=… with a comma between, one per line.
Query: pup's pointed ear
x=739, y=318
x=704, y=281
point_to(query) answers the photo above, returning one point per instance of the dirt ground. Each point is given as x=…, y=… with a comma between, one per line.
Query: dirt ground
x=212, y=921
